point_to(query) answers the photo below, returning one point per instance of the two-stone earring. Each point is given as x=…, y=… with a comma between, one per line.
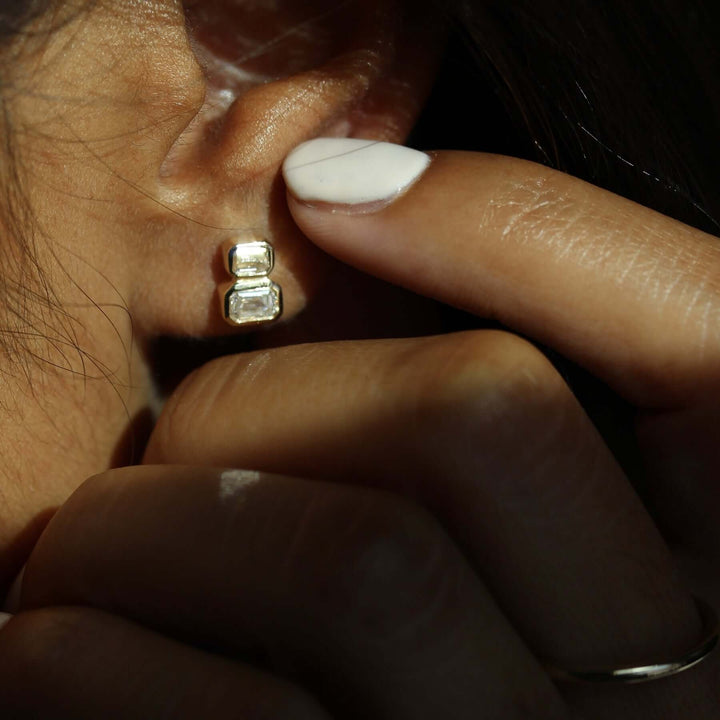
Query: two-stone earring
x=251, y=298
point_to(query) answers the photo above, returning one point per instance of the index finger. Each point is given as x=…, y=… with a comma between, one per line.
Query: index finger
x=628, y=293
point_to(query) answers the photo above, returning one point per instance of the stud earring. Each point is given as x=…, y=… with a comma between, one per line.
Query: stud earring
x=251, y=298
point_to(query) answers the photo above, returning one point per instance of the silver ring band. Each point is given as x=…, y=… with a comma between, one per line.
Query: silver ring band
x=651, y=670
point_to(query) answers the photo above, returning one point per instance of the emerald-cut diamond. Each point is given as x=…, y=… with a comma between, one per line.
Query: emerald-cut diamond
x=250, y=259
x=253, y=301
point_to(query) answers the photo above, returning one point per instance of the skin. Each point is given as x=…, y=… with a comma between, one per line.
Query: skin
x=143, y=154
x=431, y=515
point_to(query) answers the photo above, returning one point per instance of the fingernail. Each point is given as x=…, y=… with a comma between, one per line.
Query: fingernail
x=351, y=172
x=4, y=618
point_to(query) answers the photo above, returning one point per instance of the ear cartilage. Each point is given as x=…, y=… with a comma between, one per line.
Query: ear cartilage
x=252, y=298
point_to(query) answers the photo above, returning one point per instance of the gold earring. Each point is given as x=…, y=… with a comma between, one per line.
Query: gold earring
x=252, y=298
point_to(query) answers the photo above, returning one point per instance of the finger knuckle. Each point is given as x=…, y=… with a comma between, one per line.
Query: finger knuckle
x=488, y=374
x=521, y=378
x=523, y=396
x=495, y=403
x=390, y=566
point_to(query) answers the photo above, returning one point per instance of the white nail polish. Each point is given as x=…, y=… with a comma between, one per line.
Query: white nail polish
x=348, y=171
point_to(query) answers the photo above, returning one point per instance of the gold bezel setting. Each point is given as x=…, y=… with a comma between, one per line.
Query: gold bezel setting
x=252, y=298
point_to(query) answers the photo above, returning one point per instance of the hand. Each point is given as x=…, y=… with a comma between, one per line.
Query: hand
x=629, y=294
x=357, y=594
x=386, y=617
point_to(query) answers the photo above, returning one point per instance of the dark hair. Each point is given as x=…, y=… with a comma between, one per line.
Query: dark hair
x=33, y=324
x=16, y=14
x=623, y=94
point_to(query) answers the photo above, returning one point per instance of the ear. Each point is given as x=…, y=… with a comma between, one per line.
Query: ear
x=222, y=178
x=196, y=107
